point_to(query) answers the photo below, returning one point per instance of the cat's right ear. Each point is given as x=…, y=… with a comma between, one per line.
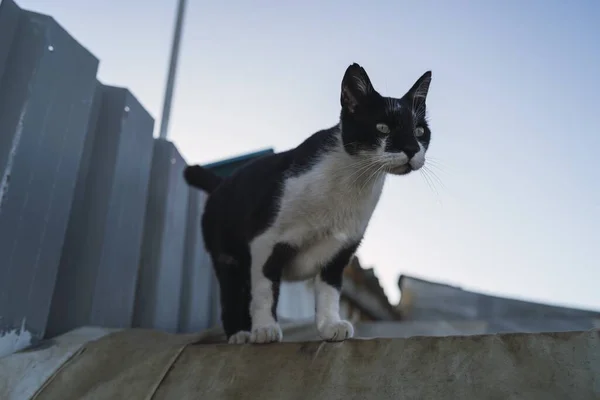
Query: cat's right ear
x=418, y=92
x=356, y=87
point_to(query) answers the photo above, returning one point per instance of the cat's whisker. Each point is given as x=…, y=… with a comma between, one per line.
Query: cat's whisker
x=440, y=165
x=373, y=176
x=430, y=157
x=358, y=168
x=431, y=184
x=373, y=164
x=435, y=161
x=435, y=166
x=378, y=171
x=355, y=176
x=360, y=161
x=426, y=179
x=354, y=168
x=365, y=170
x=436, y=177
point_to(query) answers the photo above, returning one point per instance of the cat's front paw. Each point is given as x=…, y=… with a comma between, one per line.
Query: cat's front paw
x=240, y=337
x=336, y=331
x=266, y=334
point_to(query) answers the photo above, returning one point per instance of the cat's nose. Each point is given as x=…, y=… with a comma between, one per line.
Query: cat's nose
x=410, y=149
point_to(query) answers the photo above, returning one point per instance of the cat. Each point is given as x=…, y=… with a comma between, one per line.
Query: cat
x=302, y=213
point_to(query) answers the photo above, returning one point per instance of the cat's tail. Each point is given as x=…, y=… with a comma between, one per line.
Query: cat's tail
x=201, y=178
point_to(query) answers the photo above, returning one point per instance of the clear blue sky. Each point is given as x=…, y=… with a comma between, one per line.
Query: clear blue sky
x=514, y=107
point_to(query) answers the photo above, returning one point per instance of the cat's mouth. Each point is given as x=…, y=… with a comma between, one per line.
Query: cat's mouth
x=400, y=170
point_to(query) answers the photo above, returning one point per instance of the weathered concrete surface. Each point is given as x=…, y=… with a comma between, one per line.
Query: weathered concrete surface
x=143, y=364
x=304, y=331
x=22, y=374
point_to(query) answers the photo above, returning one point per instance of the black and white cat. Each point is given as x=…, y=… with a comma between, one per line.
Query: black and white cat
x=302, y=213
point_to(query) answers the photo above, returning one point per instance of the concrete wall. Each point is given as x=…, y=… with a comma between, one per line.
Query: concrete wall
x=97, y=226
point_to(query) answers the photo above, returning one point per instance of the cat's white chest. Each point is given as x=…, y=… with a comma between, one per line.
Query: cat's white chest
x=322, y=211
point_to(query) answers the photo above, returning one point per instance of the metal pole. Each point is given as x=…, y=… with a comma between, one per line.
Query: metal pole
x=166, y=112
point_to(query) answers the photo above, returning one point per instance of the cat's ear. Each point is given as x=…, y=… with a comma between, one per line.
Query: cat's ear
x=356, y=87
x=418, y=92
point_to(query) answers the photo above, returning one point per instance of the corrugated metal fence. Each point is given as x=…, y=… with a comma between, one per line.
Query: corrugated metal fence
x=97, y=226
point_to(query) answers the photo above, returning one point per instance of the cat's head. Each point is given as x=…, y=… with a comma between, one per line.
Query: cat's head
x=391, y=132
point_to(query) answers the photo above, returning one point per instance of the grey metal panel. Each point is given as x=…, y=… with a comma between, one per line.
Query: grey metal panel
x=98, y=272
x=158, y=292
x=423, y=300
x=10, y=14
x=45, y=101
x=115, y=289
x=196, y=293
x=65, y=314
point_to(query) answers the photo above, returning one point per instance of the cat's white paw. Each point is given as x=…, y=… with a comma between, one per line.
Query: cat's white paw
x=240, y=337
x=336, y=331
x=266, y=334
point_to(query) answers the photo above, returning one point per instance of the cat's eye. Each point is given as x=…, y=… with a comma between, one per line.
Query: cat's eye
x=419, y=131
x=383, y=128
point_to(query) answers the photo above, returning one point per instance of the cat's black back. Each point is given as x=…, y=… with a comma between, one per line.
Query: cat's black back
x=246, y=202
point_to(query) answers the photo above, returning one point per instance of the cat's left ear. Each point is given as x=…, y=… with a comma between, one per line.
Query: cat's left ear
x=356, y=87
x=418, y=92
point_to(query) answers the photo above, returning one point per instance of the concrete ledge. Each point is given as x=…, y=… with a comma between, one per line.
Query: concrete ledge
x=142, y=364
x=22, y=374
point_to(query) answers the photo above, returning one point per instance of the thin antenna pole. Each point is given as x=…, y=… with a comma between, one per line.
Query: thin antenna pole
x=166, y=112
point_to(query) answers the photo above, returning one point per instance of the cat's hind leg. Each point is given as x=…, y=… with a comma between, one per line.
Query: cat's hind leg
x=268, y=261
x=233, y=274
